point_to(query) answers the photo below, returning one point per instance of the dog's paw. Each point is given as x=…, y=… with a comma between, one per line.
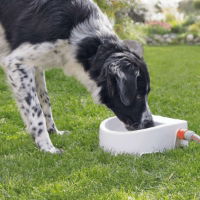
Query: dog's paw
x=63, y=132
x=57, y=132
x=47, y=146
x=52, y=150
x=56, y=151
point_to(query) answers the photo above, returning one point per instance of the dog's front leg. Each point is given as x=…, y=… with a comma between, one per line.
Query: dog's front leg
x=45, y=102
x=21, y=76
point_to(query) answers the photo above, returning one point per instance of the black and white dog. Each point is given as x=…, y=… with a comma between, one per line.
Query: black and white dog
x=75, y=35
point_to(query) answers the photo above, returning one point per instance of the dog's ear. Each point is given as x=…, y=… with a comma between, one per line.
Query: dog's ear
x=134, y=47
x=126, y=85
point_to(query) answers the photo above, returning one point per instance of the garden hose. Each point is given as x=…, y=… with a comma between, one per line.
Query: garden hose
x=184, y=134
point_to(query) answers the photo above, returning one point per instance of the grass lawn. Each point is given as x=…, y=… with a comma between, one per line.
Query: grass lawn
x=84, y=171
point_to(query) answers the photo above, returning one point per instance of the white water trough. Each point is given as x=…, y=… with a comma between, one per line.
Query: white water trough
x=115, y=138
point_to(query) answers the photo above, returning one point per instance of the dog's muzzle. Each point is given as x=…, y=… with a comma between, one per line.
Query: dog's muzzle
x=138, y=126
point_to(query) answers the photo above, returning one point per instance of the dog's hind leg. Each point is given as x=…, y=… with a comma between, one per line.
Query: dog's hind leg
x=45, y=102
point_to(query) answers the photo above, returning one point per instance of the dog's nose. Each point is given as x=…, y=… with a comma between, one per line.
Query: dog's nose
x=132, y=127
x=148, y=124
x=138, y=126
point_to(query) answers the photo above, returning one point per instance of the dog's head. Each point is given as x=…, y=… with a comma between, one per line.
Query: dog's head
x=125, y=86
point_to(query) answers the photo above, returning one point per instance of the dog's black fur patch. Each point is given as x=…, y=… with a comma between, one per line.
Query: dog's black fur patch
x=38, y=21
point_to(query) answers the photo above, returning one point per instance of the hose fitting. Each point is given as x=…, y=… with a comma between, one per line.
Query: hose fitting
x=188, y=135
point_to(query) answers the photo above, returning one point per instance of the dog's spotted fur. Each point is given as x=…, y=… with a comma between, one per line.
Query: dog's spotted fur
x=73, y=34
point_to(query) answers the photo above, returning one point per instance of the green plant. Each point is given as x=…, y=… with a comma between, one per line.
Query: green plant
x=156, y=29
x=127, y=29
x=178, y=29
x=171, y=19
x=124, y=27
x=194, y=28
x=110, y=7
x=189, y=20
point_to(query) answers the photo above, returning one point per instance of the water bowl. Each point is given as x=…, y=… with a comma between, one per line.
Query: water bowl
x=116, y=139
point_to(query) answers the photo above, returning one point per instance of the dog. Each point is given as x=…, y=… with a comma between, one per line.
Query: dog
x=75, y=35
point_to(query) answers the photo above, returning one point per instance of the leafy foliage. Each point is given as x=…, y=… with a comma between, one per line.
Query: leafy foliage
x=110, y=7
x=195, y=29
x=124, y=26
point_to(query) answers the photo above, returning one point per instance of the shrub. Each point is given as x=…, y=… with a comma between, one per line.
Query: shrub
x=171, y=19
x=110, y=7
x=126, y=28
x=195, y=29
x=178, y=29
x=189, y=21
x=157, y=27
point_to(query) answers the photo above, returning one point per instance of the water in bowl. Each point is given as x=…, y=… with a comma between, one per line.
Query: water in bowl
x=115, y=124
